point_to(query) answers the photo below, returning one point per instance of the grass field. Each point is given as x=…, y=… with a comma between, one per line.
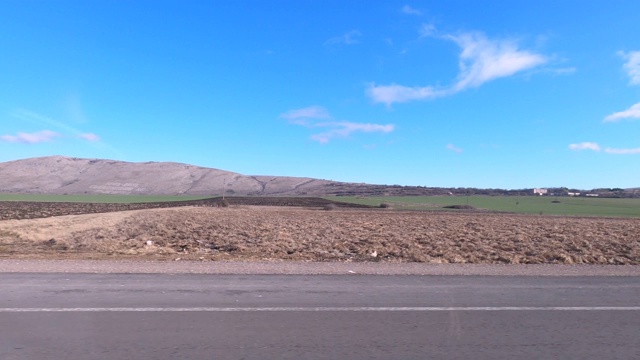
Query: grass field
x=543, y=205
x=104, y=199
x=515, y=204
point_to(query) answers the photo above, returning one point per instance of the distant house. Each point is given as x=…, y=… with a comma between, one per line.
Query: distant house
x=540, y=191
x=592, y=195
x=573, y=193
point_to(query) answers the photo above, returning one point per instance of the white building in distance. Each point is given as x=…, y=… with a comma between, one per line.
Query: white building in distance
x=540, y=191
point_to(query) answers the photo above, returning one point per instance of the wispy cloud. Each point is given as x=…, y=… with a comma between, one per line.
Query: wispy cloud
x=426, y=30
x=481, y=60
x=632, y=113
x=454, y=148
x=35, y=118
x=90, y=137
x=622, y=151
x=348, y=38
x=484, y=60
x=394, y=93
x=315, y=117
x=30, y=138
x=311, y=112
x=410, y=11
x=632, y=66
x=585, y=146
x=563, y=71
x=595, y=147
x=344, y=129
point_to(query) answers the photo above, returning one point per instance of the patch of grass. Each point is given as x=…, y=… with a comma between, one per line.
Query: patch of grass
x=99, y=198
x=514, y=204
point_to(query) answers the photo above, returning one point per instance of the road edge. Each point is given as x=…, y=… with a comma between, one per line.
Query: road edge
x=307, y=268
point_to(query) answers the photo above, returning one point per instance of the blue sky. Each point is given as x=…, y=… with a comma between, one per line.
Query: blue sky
x=492, y=94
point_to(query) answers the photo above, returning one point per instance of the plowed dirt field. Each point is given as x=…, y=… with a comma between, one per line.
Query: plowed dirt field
x=287, y=233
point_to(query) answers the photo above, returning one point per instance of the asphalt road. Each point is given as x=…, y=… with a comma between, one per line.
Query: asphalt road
x=187, y=316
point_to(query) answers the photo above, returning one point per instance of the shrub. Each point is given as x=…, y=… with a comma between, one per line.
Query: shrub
x=330, y=207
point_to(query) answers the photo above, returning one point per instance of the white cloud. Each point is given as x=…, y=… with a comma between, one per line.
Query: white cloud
x=622, y=151
x=481, y=60
x=344, y=129
x=348, y=38
x=30, y=138
x=632, y=113
x=427, y=30
x=389, y=94
x=595, y=147
x=410, y=11
x=303, y=115
x=90, y=137
x=632, y=66
x=316, y=116
x=563, y=71
x=454, y=148
x=585, y=146
x=484, y=60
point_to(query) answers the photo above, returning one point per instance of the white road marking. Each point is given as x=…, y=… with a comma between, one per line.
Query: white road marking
x=322, y=309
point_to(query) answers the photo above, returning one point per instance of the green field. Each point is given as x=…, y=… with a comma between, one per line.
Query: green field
x=113, y=199
x=517, y=204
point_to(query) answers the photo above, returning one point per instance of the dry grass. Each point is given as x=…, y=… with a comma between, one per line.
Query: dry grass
x=269, y=233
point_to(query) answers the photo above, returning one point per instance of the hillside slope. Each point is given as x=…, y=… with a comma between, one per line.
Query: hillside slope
x=64, y=175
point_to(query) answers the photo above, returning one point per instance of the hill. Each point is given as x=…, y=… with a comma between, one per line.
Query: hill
x=75, y=176
x=64, y=175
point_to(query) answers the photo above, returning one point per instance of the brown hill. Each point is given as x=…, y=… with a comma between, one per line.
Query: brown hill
x=64, y=175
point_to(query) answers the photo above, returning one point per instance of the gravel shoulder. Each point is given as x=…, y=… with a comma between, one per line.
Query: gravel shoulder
x=309, y=268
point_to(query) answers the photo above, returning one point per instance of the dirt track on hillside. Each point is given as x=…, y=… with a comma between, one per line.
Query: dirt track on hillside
x=284, y=233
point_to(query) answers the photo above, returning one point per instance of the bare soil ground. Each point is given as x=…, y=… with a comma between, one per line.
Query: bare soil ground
x=252, y=233
x=34, y=210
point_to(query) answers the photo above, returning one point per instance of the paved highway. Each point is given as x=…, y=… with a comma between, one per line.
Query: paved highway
x=187, y=316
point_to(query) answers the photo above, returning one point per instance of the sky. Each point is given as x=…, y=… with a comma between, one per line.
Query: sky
x=457, y=93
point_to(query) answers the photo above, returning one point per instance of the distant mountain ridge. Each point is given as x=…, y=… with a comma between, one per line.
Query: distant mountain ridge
x=67, y=175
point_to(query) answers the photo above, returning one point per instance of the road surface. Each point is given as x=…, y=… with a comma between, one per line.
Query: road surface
x=199, y=316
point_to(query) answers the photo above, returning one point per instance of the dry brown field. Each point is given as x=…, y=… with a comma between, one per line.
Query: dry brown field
x=266, y=233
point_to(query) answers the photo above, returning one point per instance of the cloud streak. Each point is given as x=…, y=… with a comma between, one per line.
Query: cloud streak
x=585, y=146
x=595, y=147
x=454, y=148
x=632, y=66
x=315, y=117
x=35, y=118
x=348, y=38
x=302, y=115
x=30, y=138
x=394, y=93
x=408, y=10
x=631, y=113
x=345, y=129
x=90, y=137
x=481, y=60
x=622, y=151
